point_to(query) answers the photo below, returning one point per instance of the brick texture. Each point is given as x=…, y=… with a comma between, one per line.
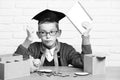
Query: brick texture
x=105, y=35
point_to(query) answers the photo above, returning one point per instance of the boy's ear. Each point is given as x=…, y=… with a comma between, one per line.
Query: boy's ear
x=37, y=33
x=59, y=33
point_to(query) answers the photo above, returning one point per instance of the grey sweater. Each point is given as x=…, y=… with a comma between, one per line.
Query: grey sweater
x=67, y=54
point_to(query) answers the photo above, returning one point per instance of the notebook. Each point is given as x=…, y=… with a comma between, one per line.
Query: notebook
x=77, y=15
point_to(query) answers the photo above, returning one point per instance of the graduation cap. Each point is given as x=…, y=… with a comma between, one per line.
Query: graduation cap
x=49, y=15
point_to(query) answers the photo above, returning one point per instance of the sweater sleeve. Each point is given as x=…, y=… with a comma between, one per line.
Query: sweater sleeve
x=86, y=49
x=22, y=51
x=75, y=58
x=33, y=50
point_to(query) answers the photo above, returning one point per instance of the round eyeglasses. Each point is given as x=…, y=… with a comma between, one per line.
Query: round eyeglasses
x=51, y=33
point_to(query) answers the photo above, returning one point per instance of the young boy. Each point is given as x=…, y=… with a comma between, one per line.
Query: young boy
x=51, y=52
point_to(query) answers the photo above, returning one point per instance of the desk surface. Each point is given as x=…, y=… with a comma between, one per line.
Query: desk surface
x=112, y=73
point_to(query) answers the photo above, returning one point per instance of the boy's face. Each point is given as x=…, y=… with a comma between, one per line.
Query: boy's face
x=48, y=33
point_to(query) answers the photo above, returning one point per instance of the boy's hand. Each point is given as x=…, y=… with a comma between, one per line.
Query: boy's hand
x=88, y=28
x=85, y=35
x=30, y=33
x=34, y=64
x=29, y=38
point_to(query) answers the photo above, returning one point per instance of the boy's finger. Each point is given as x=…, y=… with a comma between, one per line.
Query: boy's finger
x=30, y=31
x=28, y=34
x=36, y=61
x=86, y=25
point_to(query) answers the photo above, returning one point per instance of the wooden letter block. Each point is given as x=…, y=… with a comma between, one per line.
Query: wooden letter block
x=14, y=69
x=94, y=64
x=10, y=57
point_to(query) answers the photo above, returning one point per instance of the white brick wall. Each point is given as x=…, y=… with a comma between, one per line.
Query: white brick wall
x=105, y=35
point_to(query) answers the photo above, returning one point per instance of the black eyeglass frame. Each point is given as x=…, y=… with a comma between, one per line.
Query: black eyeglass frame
x=51, y=33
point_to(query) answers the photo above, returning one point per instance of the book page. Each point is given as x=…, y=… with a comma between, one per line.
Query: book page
x=77, y=15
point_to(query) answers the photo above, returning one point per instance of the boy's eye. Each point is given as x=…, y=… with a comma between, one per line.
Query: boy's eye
x=42, y=32
x=52, y=31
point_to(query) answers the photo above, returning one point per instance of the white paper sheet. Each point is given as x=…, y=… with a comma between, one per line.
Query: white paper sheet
x=77, y=15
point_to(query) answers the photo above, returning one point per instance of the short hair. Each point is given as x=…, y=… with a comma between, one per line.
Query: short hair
x=56, y=23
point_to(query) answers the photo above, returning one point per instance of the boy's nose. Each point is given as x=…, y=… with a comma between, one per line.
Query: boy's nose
x=47, y=36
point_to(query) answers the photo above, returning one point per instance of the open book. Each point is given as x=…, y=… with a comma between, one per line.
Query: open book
x=77, y=15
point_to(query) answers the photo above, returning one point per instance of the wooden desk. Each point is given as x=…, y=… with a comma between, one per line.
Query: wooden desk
x=112, y=73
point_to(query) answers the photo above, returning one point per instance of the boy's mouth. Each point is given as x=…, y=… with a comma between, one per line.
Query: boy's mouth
x=47, y=41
